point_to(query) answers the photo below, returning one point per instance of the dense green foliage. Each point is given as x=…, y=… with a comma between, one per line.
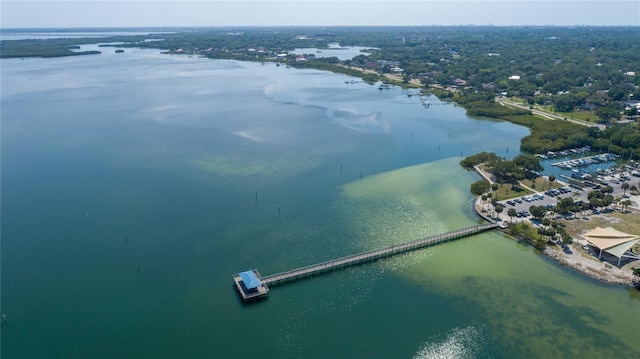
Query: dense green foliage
x=482, y=157
x=527, y=234
x=483, y=105
x=530, y=164
x=480, y=187
x=39, y=48
x=505, y=171
x=53, y=47
x=555, y=136
x=623, y=139
x=549, y=135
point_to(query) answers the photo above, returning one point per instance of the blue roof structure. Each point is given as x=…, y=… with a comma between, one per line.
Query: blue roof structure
x=250, y=280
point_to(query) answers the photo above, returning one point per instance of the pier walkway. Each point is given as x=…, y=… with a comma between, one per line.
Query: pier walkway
x=372, y=255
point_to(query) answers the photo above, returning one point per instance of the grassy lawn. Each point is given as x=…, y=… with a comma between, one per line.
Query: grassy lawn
x=539, y=184
x=580, y=115
x=626, y=222
x=505, y=191
x=587, y=116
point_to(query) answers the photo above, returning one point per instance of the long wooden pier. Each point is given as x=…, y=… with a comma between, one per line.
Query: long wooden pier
x=369, y=256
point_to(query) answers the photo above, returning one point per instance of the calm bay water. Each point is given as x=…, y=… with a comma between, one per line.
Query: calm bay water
x=208, y=168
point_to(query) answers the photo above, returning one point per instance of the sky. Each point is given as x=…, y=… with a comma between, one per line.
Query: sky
x=164, y=13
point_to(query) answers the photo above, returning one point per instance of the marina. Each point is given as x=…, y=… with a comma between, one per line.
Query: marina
x=586, y=161
x=428, y=101
x=252, y=286
x=564, y=153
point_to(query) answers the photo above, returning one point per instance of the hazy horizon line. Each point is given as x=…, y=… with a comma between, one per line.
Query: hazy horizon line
x=305, y=26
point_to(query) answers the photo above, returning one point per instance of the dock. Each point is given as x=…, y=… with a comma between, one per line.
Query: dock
x=250, y=285
x=352, y=260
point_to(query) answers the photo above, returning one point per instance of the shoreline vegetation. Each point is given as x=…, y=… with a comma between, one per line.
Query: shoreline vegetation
x=558, y=235
x=549, y=131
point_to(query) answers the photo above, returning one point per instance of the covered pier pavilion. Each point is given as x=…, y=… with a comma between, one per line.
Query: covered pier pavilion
x=612, y=241
x=250, y=285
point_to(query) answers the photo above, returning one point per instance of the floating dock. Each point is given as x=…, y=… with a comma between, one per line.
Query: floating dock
x=258, y=286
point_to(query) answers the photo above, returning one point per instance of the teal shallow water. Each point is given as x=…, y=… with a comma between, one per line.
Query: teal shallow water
x=172, y=151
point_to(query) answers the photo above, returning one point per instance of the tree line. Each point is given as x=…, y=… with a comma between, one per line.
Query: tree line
x=568, y=68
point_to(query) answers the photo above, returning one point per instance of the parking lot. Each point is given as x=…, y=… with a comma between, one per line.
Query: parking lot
x=522, y=204
x=549, y=198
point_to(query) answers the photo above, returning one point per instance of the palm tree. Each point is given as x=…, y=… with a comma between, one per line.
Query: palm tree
x=625, y=204
x=484, y=201
x=585, y=207
x=633, y=189
x=625, y=186
x=552, y=179
x=511, y=213
x=575, y=195
x=494, y=188
x=616, y=201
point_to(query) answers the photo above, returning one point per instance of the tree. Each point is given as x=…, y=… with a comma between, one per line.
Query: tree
x=565, y=206
x=479, y=158
x=511, y=213
x=606, y=189
x=507, y=171
x=616, y=201
x=528, y=162
x=625, y=186
x=584, y=207
x=566, y=237
x=609, y=112
x=480, y=187
x=566, y=103
x=537, y=212
x=607, y=200
x=552, y=179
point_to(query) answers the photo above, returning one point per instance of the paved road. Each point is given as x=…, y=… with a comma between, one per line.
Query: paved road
x=549, y=115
